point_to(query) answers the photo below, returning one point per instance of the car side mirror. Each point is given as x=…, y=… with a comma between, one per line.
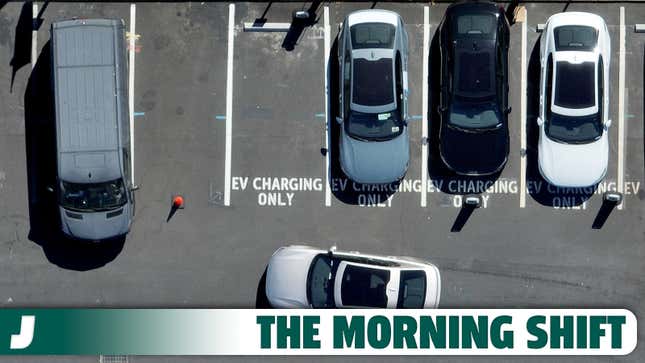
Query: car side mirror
x=607, y=124
x=339, y=120
x=332, y=249
x=540, y=121
x=441, y=109
x=134, y=188
x=508, y=110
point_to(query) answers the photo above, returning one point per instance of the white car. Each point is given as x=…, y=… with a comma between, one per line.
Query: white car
x=573, y=120
x=307, y=277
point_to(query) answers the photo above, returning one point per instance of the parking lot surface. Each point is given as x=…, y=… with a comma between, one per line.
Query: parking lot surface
x=262, y=171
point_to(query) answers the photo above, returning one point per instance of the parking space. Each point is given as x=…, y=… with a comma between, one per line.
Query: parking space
x=272, y=186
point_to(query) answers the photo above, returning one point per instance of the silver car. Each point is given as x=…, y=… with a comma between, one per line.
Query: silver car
x=303, y=277
x=373, y=97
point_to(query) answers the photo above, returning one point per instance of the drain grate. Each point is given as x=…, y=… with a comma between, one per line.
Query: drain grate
x=113, y=359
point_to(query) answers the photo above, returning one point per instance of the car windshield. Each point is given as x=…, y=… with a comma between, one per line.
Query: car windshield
x=474, y=113
x=412, y=290
x=93, y=197
x=374, y=126
x=574, y=85
x=372, y=35
x=475, y=26
x=373, y=83
x=364, y=286
x=575, y=37
x=320, y=281
x=574, y=129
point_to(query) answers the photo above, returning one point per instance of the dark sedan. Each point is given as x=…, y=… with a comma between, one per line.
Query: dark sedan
x=473, y=42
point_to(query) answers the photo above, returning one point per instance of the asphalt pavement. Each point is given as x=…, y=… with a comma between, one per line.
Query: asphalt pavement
x=276, y=144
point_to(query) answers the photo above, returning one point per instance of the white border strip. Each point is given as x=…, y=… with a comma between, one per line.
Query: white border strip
x=621, y=107
x=424, y=109
x=34, y=34
x=133, y=15
x=229, y=105
x=523, y=111
x=327, y=111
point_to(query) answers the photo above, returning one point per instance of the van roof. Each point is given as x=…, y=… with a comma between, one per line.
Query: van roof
x=86, y=60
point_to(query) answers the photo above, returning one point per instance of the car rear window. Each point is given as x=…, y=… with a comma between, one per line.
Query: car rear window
x=372, y=35
x=574, y=84
x=373, y=83
x=412, y=290
x=575, y=37
x=476, y=25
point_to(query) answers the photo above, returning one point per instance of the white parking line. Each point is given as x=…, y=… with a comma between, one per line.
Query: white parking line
x=621, y=106
x=229, y=105
x=133, y=15
x=424, y=109
x=34, y=35
x=327, y=109
x=523, y=115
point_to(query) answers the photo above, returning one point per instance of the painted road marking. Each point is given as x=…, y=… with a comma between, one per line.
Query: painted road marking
x=138, y=114
x=523, y=111
x=266, y=27
x=220, y=117
x=327, y=109
x=34, y=34
x=424, y=109
x=133, y=14
x=229, y=105
x=621, y=106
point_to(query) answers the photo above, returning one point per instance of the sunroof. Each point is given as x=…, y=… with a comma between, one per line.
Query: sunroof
x=474, y=74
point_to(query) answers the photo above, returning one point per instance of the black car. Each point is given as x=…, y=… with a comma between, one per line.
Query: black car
x=473, y=41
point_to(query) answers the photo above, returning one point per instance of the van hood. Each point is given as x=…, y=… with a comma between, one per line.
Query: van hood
x=96, y=225
x=89, y=167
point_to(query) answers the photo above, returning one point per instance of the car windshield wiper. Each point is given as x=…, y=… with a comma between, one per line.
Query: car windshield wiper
x=360, y=138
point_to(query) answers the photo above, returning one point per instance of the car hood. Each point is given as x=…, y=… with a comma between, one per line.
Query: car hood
x=375, y=162
x=474, y=153
x=89, y=167
x=573, y=165
x=286, y=281
x=96, y=226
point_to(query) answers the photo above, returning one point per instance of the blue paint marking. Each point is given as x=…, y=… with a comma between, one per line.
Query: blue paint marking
x=220, y=117
x=630, y=116
x=136, y=114
x=416, y=117
x=320, y=115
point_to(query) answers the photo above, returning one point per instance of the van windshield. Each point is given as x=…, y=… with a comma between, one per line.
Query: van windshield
x=93, y=197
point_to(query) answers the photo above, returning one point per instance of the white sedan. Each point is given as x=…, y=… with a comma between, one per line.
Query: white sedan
x=304, y=277
x=574, y=100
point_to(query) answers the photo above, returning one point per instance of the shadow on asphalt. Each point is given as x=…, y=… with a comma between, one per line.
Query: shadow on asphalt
x=261, y=299
x=44, y=215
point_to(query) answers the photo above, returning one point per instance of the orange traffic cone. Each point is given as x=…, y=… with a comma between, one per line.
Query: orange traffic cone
x=178, y=202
